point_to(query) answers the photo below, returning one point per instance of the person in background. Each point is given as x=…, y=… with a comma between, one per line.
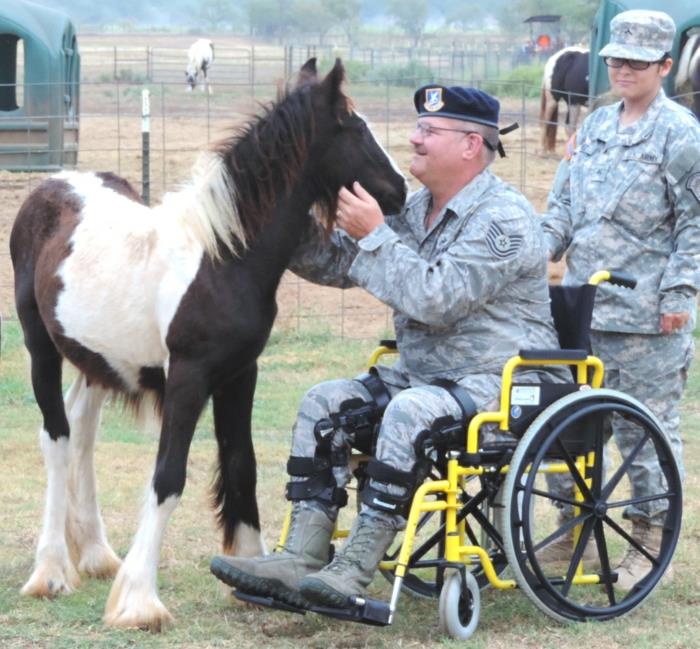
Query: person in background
x=627, y=198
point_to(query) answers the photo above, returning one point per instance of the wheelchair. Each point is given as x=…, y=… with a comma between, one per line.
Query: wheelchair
x=487, y=511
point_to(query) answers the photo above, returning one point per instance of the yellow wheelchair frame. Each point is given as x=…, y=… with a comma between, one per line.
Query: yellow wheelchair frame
x=543, y=449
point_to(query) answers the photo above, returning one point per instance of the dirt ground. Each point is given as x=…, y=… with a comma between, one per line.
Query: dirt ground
x=182, y=124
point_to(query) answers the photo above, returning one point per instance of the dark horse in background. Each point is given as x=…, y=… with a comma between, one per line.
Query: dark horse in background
x=170, y=306
x=565, y=77
x=688, y=74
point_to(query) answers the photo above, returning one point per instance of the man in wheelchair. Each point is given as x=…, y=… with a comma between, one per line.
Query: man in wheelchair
x=464, y=268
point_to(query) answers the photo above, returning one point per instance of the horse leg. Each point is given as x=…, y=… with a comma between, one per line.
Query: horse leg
x=133, y=600
x=54, y=571
x=572, y=116
x=84, y=526
x=234, y=490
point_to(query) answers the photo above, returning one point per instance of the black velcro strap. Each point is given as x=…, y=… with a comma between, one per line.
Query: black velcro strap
x=387, y=474
x=306, y=466
x=376, y=388
x=461, y=396
x=386, y=502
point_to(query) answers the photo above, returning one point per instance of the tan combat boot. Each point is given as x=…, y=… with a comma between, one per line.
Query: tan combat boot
x=561, y=549
x=278, y=574
x=352, y=568
x=634, y=565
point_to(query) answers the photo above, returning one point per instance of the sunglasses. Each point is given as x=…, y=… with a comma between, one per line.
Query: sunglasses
x=614, y=62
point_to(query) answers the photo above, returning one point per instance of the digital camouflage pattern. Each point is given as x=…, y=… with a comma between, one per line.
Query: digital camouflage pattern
x=653, y=369
x=640, y=35
x=625, y=201
x=467, y=295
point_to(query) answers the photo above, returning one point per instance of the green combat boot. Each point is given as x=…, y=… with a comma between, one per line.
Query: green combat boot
x=353, y=566
x=277, y=575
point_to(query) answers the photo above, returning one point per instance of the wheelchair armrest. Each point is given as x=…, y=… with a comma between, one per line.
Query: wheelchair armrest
x=553, y=354
x=388, y=343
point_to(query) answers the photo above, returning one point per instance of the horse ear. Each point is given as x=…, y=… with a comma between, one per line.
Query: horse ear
x=332, y=84
x=308, y=72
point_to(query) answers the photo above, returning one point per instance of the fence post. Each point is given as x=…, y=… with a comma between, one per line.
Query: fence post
x=145, y=146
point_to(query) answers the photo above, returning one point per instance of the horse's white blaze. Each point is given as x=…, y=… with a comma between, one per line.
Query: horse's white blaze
x=86, y=531
x=247, y=542
x=131, y=266
x=391, y=160
x=133, y=600
x=54, y=571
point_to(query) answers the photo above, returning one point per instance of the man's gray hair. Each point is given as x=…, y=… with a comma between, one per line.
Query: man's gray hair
x=490, y=135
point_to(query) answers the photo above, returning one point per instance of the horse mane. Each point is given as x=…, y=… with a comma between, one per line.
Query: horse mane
x=236, y=186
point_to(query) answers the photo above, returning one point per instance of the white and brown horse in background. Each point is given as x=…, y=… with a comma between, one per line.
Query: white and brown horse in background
x=171, y=306
x=200, y=56
x=565, y=77
x=688, y=74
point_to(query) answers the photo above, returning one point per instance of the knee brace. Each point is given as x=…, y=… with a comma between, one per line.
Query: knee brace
x=386, y=474
x=320, y=483
x=359, y=418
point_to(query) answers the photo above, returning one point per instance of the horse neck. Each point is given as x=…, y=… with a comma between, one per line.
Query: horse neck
x=268, y=256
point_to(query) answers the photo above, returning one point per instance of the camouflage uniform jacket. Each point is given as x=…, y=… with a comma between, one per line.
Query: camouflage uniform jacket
x=466, y=295
x=629, y=200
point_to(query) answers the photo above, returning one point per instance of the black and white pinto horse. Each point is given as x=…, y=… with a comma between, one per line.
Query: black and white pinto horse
x=565, y=77
x=170, y=306
x=688, y=74
x=200, y=56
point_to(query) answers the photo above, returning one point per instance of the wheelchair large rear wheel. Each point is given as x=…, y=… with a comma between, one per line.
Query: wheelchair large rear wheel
x=571, y=440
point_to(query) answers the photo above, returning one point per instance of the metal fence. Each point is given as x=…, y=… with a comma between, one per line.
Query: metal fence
x=183, y=124
x=267, y=64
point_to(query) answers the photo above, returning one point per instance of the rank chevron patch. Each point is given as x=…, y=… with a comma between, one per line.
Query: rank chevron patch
x=502, y=245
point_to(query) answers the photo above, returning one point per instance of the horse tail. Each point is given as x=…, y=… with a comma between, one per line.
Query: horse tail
x=38, y=218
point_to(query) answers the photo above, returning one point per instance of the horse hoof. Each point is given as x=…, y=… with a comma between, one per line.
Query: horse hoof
x=152, y=616
x=134, y=604
x=49, y=581
x=99, y=561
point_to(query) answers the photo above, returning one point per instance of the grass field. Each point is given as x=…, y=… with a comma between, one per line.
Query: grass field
x=205, y=616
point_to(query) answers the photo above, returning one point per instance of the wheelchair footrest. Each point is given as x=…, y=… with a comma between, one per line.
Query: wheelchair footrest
x=370, y=611
x=268, y=602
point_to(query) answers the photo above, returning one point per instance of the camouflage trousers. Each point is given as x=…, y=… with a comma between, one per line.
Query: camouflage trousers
x=412, y=409
x=654, y=370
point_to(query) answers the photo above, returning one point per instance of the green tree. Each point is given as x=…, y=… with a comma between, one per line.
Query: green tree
x=346, y=15
x=411, y=16
x=217, y=14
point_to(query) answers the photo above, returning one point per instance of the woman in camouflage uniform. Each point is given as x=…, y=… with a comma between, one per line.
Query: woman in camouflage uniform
x=627, y=198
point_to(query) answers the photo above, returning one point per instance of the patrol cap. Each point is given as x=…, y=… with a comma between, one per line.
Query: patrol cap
x=640, y=35
x=457, y=102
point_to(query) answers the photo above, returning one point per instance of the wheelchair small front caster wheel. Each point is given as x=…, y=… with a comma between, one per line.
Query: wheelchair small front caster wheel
x=459, y=606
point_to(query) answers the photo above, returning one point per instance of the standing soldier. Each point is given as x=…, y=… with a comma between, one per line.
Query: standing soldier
x=628, y=199
x=464, y=268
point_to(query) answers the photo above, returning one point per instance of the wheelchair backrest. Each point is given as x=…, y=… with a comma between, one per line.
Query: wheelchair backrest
x=572, y=310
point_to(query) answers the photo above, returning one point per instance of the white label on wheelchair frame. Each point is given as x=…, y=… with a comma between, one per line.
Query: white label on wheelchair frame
x=525, y=395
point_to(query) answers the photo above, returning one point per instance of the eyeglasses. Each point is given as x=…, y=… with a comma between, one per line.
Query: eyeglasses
x=426, y=130
x=614, y=62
